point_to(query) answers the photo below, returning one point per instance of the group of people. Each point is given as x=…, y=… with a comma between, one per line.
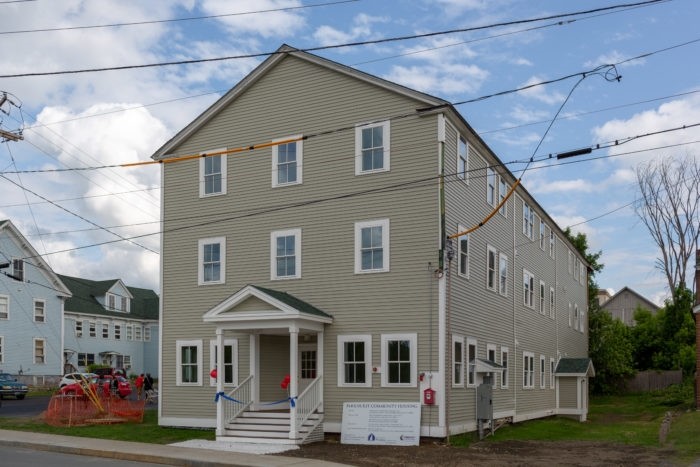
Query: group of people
x=144, y=384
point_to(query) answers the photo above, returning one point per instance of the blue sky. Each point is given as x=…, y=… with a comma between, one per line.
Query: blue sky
x=112, y=117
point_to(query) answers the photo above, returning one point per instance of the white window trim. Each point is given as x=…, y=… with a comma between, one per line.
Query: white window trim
x=7, y=301
x=299, y=161
x=46, y=356
x=552, y=302
x=413, y=339
x=492, y=348
x=384, y=224
x=297, y=253
x=503, y=291
x=504, y=380
x=528, y=220
x=551, y=373
x=2, y=349
x=571, y=263
x=461, y=228
x=543, y=236
x=504, y=184
x=224, y=178
x=200, y=260
x=367, y=340
x=491, y=189
x=234, y=355
x=386, y=139
x=543, y=298
x=531, y=283
x=178, y=361
x=577, y=316
x=43, y=302
x=471, y=367
x=543, y=372
x=458, y=339
x=528, y=375
x=571, y=315
x=496, y=268
x=463, y=176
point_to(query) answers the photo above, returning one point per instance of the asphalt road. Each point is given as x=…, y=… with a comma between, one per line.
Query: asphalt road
x=30, y=406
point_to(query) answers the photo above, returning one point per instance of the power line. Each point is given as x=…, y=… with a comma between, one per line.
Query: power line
x=174, y=20
x=336, y=46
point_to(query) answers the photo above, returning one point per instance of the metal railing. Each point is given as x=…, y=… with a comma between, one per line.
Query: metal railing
x=308, y=401
x=243, y=394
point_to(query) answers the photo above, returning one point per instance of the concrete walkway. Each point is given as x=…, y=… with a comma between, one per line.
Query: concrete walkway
x=144, y=452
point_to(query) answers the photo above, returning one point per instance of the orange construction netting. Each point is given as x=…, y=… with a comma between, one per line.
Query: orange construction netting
x=80, y=410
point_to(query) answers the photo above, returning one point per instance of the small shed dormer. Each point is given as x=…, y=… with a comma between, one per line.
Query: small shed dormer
x=116, y=297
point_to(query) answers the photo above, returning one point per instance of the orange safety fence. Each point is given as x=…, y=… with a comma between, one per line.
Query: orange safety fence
x=80, y=410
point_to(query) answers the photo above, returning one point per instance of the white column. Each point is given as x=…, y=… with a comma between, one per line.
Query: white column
x=294, y=382
x=220, y=421
x=319, y=366
x=254, y=348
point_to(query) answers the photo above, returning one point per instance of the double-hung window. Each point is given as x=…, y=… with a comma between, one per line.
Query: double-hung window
x=471, y=362
x=551, y=302
x=504, y=364
x=285, y=254
x=39, y=311
x=372, y=148
x=92, y=330
x=457, y=361
x=212, y=261
x=230, y=366
x=528, y=370
x=18, y=269
x=189, y=363
x=355, y=360
x=528, y=288
x=399, y=359
x=543, y=368
x=551, y=243
x=212, y=174
x=287, y=162
x=2, y=349
x=39, y=351
x=462, y=159
x=502, y=274
x=542, y=234
x=372, y=246
x=543, y=298
x=105, y=330
x=78, y=328
x=490, y=186
x=502, y=192
x=4, y=307
x=463, y=257
x=528, y=220
x=491, y=261
x=551, y=373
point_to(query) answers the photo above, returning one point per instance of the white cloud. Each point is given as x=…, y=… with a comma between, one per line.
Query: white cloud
x=612, y=58
x=267, y=23
x=523, y=115
x=565, y=186
x=540, y=92
x=361, y=29
x=449, y=79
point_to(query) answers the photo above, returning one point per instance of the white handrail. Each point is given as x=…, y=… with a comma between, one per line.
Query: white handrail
x=308, y=401
x=242, y=394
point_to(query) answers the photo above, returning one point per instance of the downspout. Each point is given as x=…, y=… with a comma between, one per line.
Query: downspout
x=515, y=327
x=441, y=276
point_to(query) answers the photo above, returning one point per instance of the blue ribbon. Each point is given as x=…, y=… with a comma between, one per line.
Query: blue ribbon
x=282, y=401
x=224, y=396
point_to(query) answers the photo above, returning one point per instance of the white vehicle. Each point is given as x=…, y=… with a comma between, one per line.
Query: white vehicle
x=71, y=378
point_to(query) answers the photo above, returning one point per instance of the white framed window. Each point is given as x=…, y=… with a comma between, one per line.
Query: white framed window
x=285, y=254
x=543, y=368
x=212, y=261
x=212, y=174
x=188, y=363
x=117, y=331
x=457, y=361
x=551, y=302
x=230, y=366
x=576, y=269
x=462, y=158
x=582, y=273
x=502, y=192
x=490, y=186
x=551, y=373
x=582, y=320
x=543, y=232
x=504, y=364
x=576, y=316
x=111, y=300
x=491, y=356
x=372, y=148
x=571, y=263
x=570, y=315
x=146, y=333
x=39, y=351
x=18, y=269
x=287, y=162
x=551, y=243
x=372, y=246
x=138, y=332
x=528, y=220
x=399, y=359
x=4, y=307
x=78, y=328
x=2, y=349
x=471, y=362
x=130, y=332
x=39, y=311
x=491, y=265
x=355, y=361
x=85, y=359
x=463, y=256
x=503, y=274
x=126, y=362
x=92, y=326
x=543, y=298
x=105, y=330
x=528, y=288
x=528, y=370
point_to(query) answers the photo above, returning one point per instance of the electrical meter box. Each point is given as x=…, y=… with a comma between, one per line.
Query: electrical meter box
x=484, y=401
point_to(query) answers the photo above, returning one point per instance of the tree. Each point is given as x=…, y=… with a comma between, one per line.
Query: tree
x=669, y=206
x=580, y=241
x=611, y=350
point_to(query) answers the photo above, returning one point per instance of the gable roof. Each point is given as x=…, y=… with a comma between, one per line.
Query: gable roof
x=626, y=290
x=36, y=259
x=575, y=367
x=144, y=302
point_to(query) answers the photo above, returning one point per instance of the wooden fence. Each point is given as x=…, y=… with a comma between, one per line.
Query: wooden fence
x=651, y=380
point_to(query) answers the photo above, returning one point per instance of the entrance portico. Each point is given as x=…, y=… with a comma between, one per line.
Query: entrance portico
x=262, y=314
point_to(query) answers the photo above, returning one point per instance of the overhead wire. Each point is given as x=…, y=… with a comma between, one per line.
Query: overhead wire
x=337, y=46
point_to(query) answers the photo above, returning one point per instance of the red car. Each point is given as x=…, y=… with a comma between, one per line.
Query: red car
x=104, y=387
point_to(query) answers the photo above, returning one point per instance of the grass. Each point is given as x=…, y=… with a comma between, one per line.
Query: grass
x=633, y=419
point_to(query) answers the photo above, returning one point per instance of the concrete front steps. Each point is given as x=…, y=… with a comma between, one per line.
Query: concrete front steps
x=271, y=427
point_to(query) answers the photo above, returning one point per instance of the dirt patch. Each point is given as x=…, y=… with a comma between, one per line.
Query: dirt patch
x=512, y=453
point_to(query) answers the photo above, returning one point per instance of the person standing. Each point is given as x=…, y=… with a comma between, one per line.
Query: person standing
x=139, y=386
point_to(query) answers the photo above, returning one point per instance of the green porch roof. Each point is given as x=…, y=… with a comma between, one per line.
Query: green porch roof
x=292, y=301
x=575, y=366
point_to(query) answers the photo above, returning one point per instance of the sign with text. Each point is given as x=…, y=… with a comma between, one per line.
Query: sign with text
x=390, y=423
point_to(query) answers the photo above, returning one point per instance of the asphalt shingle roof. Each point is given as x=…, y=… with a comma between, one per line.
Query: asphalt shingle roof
x=292, y=301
